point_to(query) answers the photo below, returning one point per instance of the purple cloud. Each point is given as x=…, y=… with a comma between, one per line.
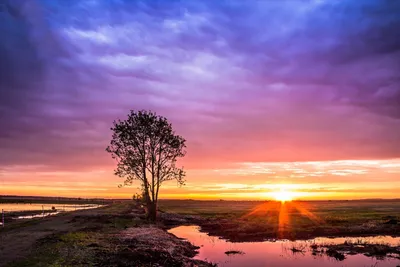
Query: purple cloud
x=242, y=81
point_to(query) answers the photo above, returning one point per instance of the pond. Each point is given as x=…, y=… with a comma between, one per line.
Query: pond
x=277, y=253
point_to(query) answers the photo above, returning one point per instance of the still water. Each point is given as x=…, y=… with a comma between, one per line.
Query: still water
x=270, y=254
x=16, y=207
x=38, y=206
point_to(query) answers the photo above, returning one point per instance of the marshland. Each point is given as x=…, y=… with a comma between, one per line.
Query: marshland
x=210, y=233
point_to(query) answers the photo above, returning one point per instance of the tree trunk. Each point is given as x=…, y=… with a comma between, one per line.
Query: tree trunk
x=151, y=211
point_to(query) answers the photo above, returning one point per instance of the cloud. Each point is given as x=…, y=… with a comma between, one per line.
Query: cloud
x=242, y=81
x=327, y=170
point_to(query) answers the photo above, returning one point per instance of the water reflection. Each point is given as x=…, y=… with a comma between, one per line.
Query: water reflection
x=36, y=215
x=276, y=253
x=13, y=207
x=37, y=210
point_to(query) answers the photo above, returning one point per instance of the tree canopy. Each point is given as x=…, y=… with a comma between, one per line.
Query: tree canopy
x=146, y=149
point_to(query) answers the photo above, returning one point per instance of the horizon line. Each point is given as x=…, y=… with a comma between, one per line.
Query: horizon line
x=196, y=199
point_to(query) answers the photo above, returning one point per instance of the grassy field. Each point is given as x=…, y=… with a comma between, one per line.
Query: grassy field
x=254, y=221
x=115, y=235
x=206, y=208
x=118, y=234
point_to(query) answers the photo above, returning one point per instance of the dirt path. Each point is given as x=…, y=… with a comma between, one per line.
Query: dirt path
x=19, y=239
x=112, y=236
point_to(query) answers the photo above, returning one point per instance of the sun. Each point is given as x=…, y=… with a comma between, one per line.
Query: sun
x=283, y=195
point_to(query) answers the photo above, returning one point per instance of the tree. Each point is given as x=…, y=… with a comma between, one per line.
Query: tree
x=146, y=149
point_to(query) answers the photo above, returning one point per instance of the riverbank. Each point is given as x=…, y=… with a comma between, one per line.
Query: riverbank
x=380, y=251
x=119, y=235
x=115, y=235
x=258, y=221
x=233, y=231
x=360, y=246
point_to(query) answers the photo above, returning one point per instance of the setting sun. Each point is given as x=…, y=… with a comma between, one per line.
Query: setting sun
x=283, y=195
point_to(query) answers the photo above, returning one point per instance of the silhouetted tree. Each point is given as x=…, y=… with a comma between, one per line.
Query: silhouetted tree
x=146, y=149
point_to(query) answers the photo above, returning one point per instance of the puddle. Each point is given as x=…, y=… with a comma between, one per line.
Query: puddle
x=277, y=253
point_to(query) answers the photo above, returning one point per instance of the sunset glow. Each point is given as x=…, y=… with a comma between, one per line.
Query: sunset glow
x=283, y=207
x=276, y=101
x=272, y=127
x=257, y=181
x=283, y=195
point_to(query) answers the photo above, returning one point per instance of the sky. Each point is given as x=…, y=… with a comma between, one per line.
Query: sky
x=299, y=95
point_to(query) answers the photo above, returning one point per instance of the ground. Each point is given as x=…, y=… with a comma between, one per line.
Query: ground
x=119, y=235
x=116, y=235
x=240, y=221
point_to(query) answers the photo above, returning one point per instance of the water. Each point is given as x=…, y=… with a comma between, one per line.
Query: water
x=269, y=253
x=13, y=207
x=16, y=207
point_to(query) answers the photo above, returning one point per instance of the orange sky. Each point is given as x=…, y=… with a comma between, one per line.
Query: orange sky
x=348, y=179
x=246, y=84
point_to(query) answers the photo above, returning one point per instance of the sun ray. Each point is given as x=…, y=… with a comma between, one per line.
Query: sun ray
x=281, y=210
x=283, y=221
x=305, y=212
x=261, y=209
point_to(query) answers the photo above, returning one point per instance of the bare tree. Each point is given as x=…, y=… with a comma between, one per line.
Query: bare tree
x=146, y=149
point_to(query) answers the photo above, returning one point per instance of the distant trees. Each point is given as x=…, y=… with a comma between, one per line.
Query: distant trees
x=137, y=197
x=146, y=149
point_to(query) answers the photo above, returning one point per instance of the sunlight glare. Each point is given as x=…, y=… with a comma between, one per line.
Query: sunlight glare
x=283, y=195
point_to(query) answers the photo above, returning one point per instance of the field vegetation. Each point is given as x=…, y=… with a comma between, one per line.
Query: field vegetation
x=115, y=235
x=256, y=221
x=120, y=235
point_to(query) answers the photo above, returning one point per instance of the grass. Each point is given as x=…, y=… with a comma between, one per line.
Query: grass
x=116, y=235
x=358, y=246
x=231, y=219
x=71, y=249
x=88, y=237
x=298, y=248
x=339, y=211
x=86, y=245
x=362, y=242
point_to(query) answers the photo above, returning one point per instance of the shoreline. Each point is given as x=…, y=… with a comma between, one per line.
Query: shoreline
x=114, y=235
x=230, y=231
x=352, y=245
x=117, y=234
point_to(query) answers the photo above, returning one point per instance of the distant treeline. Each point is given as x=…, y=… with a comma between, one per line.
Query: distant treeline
x=55, y=200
